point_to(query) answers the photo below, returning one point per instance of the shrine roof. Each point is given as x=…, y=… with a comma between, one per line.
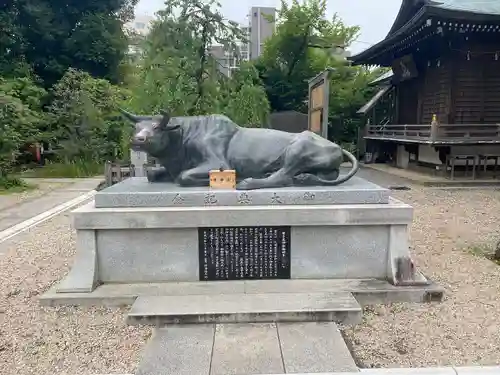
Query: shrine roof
x=384, y=78
x=413, y=12
x=470, y=6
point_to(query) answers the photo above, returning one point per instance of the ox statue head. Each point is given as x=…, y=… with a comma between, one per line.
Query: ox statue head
x=151, y=133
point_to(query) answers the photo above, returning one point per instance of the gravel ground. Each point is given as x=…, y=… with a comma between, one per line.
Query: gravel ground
x=56, y=341
x=465, y=328
x=10, y=200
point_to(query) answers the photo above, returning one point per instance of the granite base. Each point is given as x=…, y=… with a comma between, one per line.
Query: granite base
x=159, y=245
x=138, y=192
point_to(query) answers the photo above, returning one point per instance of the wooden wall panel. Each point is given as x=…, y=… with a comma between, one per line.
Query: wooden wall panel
x=476, y=91
x=491, y=110
x=407, y=101
x=435, y=93
x=468, y=91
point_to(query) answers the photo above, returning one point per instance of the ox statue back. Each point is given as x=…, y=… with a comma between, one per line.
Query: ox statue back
x=189, y=147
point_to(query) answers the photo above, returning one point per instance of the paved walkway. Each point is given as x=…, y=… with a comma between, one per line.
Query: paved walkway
x=20, y=210
x=382, y=177
x=425, y=179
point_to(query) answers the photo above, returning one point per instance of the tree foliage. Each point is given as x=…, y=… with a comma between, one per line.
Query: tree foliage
x=303, y=46
x=84, y=121
x=245, y=99
x=64, y=72
x=180, y=74
x=58, y=60
x=50, y=36
x=20, y=119
x=299, y=50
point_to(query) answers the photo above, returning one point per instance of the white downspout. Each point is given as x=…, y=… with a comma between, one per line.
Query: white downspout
x=258, y=32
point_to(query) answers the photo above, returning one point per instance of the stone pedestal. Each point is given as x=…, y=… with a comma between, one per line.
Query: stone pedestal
x=138, y=232
x=402, y=157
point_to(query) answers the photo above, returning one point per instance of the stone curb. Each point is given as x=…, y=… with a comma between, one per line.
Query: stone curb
x=467, y=370
x=44, y=216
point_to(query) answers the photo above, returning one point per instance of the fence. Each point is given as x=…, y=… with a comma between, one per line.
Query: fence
x=436, y=133
x=116, y=172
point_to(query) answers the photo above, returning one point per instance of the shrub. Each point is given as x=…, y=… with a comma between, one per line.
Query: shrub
x=84, y=122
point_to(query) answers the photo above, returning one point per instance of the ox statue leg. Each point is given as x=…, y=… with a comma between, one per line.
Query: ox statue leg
x=283, y=177
x=198, y=176
x=158, y=175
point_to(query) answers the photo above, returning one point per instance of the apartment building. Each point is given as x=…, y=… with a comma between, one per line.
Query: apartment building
x=229, y=60
x=260, y=29
x=141, y=24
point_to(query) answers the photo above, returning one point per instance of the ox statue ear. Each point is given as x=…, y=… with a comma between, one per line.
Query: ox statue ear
x=165, y=119
x=164, y=123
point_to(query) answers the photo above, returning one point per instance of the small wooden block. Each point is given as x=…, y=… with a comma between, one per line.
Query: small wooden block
x=223, y=179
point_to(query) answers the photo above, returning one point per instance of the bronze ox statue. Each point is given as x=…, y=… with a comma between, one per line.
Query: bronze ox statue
x=189, y=147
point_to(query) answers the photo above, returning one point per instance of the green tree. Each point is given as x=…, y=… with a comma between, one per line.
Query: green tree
x=299, y=50
x=178, y=72
x=52, y=35
x=84, y=122
x=246, y=102
x=20, y=121
x=302, y=47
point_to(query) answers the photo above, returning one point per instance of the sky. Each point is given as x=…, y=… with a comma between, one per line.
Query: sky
x=374, y=17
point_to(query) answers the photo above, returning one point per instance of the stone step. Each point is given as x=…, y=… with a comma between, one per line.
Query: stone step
x=246, y=349
x=366, y=291
x=340, y=307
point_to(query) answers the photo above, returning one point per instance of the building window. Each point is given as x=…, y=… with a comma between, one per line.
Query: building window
x=140, y=25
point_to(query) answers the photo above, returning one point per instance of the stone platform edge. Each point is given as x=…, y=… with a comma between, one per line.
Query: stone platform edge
x=137, y=192
x=393, y=213
x=365, y=291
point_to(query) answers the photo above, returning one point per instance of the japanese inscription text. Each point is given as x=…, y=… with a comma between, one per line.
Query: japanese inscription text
x=234, y=253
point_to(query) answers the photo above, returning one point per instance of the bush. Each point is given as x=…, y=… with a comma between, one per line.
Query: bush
x=16, y=129
x=13, y=184
x=20, y=120
x=84, y=122
x=69, y=169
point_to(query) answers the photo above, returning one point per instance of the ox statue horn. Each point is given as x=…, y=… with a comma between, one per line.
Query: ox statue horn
x=133, y=118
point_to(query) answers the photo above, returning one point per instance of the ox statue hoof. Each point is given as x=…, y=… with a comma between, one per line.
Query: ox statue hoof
x=151, y=176
x=245, y=184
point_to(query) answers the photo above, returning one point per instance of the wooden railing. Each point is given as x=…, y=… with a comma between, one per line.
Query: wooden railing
x=116, y=172
x=456, y=133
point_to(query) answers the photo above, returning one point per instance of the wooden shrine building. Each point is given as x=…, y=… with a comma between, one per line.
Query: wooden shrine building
x=441, y=102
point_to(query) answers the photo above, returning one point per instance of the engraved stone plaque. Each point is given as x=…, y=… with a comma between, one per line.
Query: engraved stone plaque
x=239, y=253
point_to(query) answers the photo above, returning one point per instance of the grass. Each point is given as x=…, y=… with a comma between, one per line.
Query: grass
x=78, y=169
x=486, y=251
x=9, y=185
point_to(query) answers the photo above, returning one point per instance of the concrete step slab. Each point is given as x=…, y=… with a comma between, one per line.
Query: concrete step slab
x=246, y=349
x=178, y=350
x=315, y=347
x=340, y=307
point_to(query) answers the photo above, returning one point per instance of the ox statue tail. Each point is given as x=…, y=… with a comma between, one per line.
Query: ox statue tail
x=352, y=172
x=324, y=180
